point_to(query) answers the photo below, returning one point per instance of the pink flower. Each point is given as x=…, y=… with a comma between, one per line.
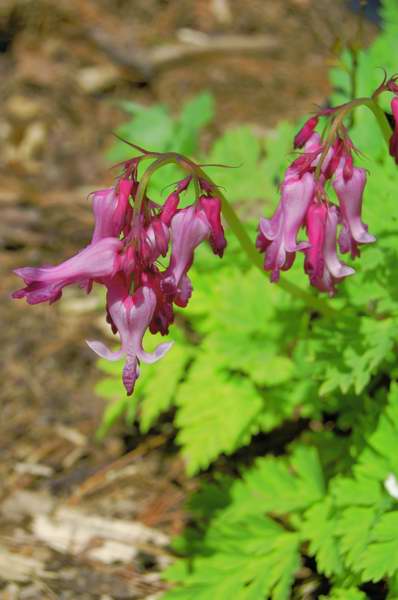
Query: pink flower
x=212, y=209
x=278, y=235
x=347, y=244
x=155, y=241
x=394, y=138
x=305, y=132
x=95, y=262
x=321, y=261
x=169, y=208
x=189, y=227
x=350, y=194
x=124, y=256
x=112, y=211
x=130, y=316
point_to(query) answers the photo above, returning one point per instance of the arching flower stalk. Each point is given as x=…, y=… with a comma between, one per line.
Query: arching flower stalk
x=131, y=233
x=305, y=205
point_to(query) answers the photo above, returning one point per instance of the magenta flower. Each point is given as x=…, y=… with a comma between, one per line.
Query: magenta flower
x=350, y=195
x=170, y=208
x=305, y=132
x=155, y=241
x=321, y=261
x=277, y=236
x=189, y=227
x=130, y=315
x=124, y=256
x=316, y=224
x=111, y=210
x=394, y=138
x=95, y=262
x=212, y=209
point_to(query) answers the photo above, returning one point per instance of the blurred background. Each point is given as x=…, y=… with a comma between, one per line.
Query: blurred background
x=67, y=68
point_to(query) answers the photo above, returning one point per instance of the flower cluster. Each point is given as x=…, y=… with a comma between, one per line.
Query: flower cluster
x=305, y=204
x=129, y=237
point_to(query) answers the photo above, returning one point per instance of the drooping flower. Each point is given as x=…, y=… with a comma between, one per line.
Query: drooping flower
x=130, y=316
x=211, y=206
x=277, y=236
x=95, y=262
x=112, y=211
x=350, y=195
x=124, y=255
x=189, y=227
x=305, y=132
x=325, y=159
x=393, y=147
x=321, y=261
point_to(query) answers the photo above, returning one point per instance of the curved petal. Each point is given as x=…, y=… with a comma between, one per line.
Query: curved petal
x=337, y=269
x=296, y=198
x=104, y=202
x=104, y=352
x=152, y=357
x=188, y=229
x=350, y=195
x=271, y=228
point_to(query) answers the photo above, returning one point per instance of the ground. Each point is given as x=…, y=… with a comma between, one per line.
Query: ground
x=79, y=519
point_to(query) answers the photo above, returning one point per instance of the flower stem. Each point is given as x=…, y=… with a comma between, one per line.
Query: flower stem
x=235, y=224
x=380, y=117
x=256, y=259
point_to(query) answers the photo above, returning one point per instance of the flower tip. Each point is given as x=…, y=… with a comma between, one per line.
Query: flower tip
x=102, y=351
x=275, y=276
x=305, y=132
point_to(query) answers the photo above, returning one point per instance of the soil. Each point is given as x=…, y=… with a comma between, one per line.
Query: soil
x=81, y=519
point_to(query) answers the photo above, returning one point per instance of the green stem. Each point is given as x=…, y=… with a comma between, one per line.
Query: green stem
x=380, y=117
x=234, y=223
x=255, y=257
x=142, y=186
x=232, y=218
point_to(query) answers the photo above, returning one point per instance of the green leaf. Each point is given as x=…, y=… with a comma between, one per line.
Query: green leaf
x=215, y=413
x=196, y=113
x=248, y=560
x=319, y=527
x=112, y=413
x=162, y=386
x=381, y=556
x=277, y=486
x=339, y=593
x=241, y=150
x=152, y=127
x=354, y=527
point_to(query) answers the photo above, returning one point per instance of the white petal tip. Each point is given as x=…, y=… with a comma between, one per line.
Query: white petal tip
x=391, y=486
x=151, y=357
x=102, y=351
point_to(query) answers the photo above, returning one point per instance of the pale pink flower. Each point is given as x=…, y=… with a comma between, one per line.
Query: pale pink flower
x=278, y=235
x=130, y=316
x=350, y=195
x=189, y=227
x=112, y=211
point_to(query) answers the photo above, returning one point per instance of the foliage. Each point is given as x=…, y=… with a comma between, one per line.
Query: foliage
x=283, y=510
x=250, y=361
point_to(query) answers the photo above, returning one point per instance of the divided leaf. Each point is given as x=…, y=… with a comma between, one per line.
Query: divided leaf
x=216, y=412
x=247, y=560
x=319, y=527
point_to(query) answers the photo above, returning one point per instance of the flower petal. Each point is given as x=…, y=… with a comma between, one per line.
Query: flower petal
x=104, y=352
x=152, y=357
